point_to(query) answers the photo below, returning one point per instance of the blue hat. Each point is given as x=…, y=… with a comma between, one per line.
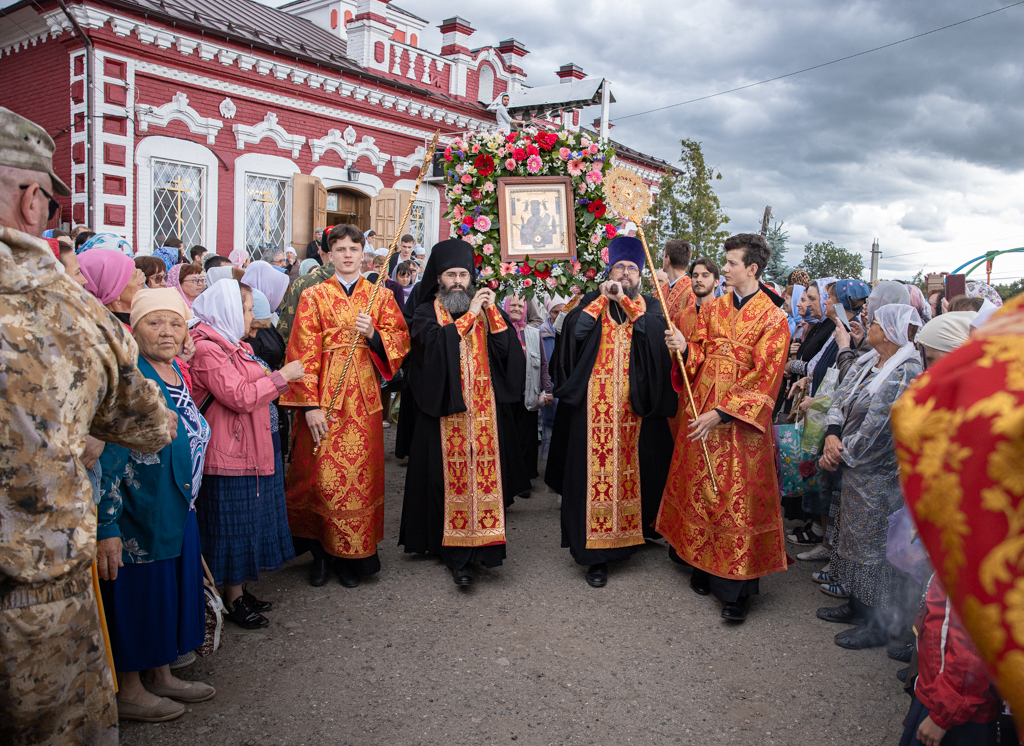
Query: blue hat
x=847, y=290
x=626, y=248
x=260, y=304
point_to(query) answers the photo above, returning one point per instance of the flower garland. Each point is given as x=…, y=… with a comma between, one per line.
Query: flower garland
x=472, y=167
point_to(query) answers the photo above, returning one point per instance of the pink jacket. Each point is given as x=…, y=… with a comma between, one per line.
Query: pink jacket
x=240, y=439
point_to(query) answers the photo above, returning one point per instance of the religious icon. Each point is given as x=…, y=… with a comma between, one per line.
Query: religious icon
x=536, y=218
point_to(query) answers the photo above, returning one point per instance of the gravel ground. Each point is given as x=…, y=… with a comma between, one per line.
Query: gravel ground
x=532, y=654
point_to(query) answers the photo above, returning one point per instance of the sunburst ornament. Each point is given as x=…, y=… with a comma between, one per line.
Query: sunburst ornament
x=626, y=193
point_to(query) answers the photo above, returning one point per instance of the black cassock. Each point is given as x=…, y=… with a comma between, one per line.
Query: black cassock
x=435, y=379
x=652, y=398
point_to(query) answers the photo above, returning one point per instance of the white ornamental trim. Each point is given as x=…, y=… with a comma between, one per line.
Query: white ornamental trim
x=349, y=150
x=252, y=134
x=179, y=109
x=408, y=162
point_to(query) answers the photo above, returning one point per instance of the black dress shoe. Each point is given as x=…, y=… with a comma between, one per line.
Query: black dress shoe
x=902, y=674
x=462, y=576
x=901, y=653
x=597, y=575
x=844, y=614
x=244, y=617
x=319, y=571
x=347, y=578
x=254, y=603
x=700, y=583
x=736, y=611
x=861, y=638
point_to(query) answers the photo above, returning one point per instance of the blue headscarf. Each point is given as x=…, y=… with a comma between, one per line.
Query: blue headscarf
x=169, y=255
x=847, y=290
x=110, y=241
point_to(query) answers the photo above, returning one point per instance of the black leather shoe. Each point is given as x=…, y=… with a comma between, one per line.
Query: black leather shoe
x=347, y=578
x=700, y=583
x=902, y=674
x=736, y=611
x=319, y=571
x=901, y=653
x=597, y=575
x=244, y=617
x=844, y=614
x=254, y=603
x=861, y=638
x=462, y=577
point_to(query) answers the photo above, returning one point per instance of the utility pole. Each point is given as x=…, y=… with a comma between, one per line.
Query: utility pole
x=764, y=221
x=605, y=104
x=876, y=254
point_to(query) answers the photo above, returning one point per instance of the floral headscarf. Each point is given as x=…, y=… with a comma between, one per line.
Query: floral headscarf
x=174, y=282
x=977, y=289
x=110, y=241
x=167, y=254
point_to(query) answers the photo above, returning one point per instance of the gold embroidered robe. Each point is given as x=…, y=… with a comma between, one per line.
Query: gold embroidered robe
x=735, y=362
x=682, y=310
x=337, y=496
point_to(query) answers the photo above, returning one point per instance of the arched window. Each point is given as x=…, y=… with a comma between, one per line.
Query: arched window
x=485, y=85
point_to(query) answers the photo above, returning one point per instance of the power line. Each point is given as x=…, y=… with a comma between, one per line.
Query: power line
x=823, y=64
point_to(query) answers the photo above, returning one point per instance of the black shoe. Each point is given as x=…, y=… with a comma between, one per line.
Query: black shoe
x=597, y=575
x=319, y=571
x=736, y=611
x=861, y=638
x=844, y=614
x=254, y=603
x=347, y=578
x=902, y=674
x=901, y=653
x=462, y=576
x=244, y=617
x=700, y=583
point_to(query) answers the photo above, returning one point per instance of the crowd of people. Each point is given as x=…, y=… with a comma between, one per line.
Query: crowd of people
x=181, y=422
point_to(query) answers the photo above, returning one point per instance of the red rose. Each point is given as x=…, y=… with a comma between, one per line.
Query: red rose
x=609, y=231
x=532, y=150
x=484, y=164
x=476, y=194
x=468, y=220
x=590, y=274
x=493, y=284
x=808, y=469
x=519, y=154
x=447, y=154
x=510, y=138
x=546, y=140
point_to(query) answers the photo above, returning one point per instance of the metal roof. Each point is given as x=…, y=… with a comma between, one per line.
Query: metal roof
x=573, y=95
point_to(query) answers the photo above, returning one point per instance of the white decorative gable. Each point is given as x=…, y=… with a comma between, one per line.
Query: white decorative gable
x=345, y=145
x=179, y=109
x=269, y=127
x=408, y=162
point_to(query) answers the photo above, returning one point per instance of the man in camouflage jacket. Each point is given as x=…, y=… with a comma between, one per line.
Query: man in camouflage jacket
x=67, y=370
x=290, y=304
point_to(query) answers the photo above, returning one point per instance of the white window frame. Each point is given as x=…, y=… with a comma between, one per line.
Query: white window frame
x=258, y=164
x=187, y=153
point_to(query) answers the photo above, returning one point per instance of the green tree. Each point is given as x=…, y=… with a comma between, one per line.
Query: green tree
x=666, y=213
x=1008, y=291
x=701, y=216
x=825, y=259
x=777, y=270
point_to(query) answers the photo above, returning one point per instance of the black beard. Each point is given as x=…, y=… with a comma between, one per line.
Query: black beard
x=631, y=291
x=710, y=291
x=454, y=300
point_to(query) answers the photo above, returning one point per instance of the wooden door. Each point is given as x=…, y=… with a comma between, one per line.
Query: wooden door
x=303, y=201
x=386, y=209
x=319, y=204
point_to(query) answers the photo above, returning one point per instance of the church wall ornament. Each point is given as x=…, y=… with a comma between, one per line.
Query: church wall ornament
x=177, y=109
x=252, y=134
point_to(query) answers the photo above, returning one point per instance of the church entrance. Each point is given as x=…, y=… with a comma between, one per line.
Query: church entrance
x=348, y=206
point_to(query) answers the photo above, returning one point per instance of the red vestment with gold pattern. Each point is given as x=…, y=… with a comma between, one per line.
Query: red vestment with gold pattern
x=960, y=441
x=337, y=496
x=735, y=361
x=682, y=311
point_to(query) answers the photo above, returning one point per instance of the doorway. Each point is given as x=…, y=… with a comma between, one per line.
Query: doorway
x=348, y=206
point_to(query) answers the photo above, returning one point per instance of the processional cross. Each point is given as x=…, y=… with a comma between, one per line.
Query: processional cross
x=267, y=199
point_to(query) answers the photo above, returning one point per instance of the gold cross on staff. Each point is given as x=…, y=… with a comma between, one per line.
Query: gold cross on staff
x=178, y=187
x=267, y=199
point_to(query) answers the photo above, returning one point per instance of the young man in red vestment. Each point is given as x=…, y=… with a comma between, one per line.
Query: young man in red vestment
x=336, y=497
x=735, y=360
x=681, y=301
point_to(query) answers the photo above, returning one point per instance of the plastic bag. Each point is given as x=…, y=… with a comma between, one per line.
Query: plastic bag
x=813, y=438
x=790, y=457
x=903, y=547
x=829, y=383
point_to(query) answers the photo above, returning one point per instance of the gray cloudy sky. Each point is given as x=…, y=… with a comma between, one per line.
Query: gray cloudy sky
x=918, y=145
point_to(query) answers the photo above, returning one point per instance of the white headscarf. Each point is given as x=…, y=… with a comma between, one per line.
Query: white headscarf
x=265, y=277
x=947, y=332
x=216, y=274
x=895, y=320
x=885, y=293
x=220, y=307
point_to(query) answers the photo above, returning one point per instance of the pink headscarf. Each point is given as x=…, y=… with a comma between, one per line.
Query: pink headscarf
x=172, y=282
x=238, y=257
x=106, y=273
x=521, y=324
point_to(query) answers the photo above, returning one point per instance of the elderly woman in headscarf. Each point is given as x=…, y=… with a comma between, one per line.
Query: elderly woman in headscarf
x=943, y=334
x=859, y=436
x=812, y=306
x=239, y=258
x=113, y=278
x=188, y=280
x=108, y=241
x=148, y=552
x=216, y=274
x=154, y=270
x=242, y=516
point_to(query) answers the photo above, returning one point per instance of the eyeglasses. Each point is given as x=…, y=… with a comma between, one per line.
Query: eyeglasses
x=158, y=278
x=54, y=204
x=455, y=275
x=627, y=269
x=194, y=281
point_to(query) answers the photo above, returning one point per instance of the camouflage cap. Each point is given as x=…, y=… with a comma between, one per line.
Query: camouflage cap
x=24, y=144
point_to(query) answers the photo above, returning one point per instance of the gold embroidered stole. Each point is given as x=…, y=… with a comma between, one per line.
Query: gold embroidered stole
x=474, y=507
x=613, y=434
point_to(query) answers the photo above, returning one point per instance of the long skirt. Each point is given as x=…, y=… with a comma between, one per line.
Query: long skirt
x=965, y=734
x=156, y=610
x=243, y=522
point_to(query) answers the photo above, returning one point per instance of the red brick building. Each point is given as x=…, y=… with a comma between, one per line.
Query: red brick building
x=233, y=124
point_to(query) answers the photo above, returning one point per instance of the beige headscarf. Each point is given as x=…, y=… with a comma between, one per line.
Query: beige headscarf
x=947, y=332
x=148, y=300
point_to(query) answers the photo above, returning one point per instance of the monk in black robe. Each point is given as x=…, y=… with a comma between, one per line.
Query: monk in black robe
x=466, y=371
x=613, y=378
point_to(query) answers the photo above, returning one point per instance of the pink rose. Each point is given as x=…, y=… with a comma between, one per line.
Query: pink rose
x=582, y=188
x=585, y=142
x=501, y=152
x=448, y=153
x=483, y=223
x=564, y=153
x=534, y=164
x=467, y=179
x=488, y=250
x=493, y=284
x=593, y=149
x=604, y=255
x=510, y=164
x=476, y=149
x=488, y=271
x=489, y=186
x=551, y=282
x=527, y=283
x=575, y=167
x=457, y=189
x=594, y=177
